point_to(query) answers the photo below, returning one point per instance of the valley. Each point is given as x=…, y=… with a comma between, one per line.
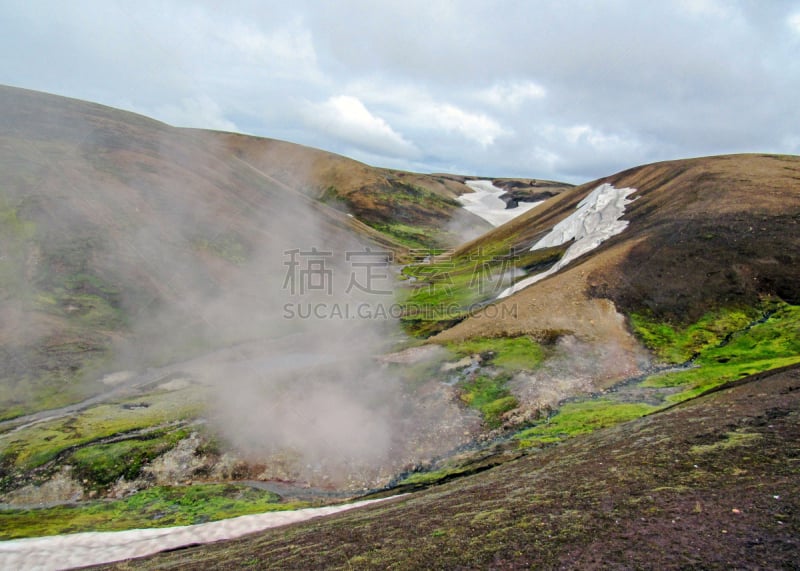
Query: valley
x=545, y=373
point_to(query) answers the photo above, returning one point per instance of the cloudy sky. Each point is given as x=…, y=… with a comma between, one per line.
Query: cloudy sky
x=567, y=90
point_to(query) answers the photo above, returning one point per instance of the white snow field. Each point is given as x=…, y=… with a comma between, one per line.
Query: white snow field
x=595, y=220
x=92, y=548
x=486, y=203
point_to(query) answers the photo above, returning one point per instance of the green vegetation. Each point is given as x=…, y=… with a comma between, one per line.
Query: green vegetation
x=403, y=193
x=229, y=247
x=731, y=440
x=489, y=395
x=500, y=358
x=42, y=442
x=104, y=464
x=726, y=345
x=509, y=353
x=423, y=478
x=15, y=236
x=759, y=347
x=446, y=288
x=676, y=344
x=156, y=507
x=581, y=417
x=415, y=237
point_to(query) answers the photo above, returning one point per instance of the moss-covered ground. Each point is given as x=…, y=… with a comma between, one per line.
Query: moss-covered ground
x=723, y=346
x=486, y=388
x=446, y=288
x=40, y=443
x=160, y=506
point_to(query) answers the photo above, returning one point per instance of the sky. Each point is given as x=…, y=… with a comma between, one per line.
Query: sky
x=563, y=90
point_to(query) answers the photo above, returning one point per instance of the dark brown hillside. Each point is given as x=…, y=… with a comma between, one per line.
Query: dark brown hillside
x=704, y=233
x=718, y=231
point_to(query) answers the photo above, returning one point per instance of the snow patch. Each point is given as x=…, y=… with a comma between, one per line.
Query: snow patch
x=93, y=548
x=596, y=219
x=486, y=203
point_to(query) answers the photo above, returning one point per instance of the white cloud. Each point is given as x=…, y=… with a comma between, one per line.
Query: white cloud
x=416, y=107
x=794, y=22
x=680, y=78
x=288, y=50
x=474, y=126
x=348, y=119
x=588, y=135
x=705, y=8
x=512, y=93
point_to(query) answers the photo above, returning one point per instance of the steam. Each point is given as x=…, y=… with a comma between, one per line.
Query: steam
x=190, y=245
x=287, y=337
x=577, y=367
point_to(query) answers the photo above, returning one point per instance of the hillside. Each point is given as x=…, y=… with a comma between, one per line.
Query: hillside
x=703, y=234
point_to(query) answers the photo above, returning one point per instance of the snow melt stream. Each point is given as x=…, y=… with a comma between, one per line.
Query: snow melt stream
x=595, y=220
x=93, y=548
x=486, y=203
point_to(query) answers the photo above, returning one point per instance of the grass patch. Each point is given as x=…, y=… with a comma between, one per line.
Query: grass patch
x=423, y=478
x=767, y=345
x=509, y=353
x=40, y=443
x=580, y=418
x=731, y=440
x=677, y=344
x=489, y=395
x=229, y=247
x=160, y=506
x=415, y=237
x=104, y=464
x=447, y=288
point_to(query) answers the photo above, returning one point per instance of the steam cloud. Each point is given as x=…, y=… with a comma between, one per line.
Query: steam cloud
x=193, y=243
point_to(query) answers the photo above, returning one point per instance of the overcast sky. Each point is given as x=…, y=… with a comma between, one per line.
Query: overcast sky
x=565, y=90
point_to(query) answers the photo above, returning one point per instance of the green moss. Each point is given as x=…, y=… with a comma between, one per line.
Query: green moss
x=229, y=247
x=42, y=442
x=731, y=440
x=156, y=507
x=677, y=344
x=16, y=235
x=489, y=395
x=509, y=353
x=766, y=345
x=427, y=477
x=580, y=418
x=415, y=237
x=104, y=464
x=448, y=288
